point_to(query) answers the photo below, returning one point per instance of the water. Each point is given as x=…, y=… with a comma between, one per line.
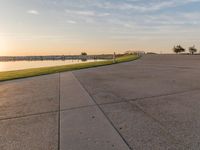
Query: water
x=20, y=65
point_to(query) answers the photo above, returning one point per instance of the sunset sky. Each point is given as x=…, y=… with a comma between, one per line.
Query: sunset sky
x=45, y=27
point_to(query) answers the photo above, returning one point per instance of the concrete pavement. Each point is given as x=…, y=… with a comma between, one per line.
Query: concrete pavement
x=149, y=104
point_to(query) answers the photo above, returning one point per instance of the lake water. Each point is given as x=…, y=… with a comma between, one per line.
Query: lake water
x=19, y=65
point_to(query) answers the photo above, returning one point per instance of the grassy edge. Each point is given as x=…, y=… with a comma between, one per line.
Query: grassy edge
x=11, y=75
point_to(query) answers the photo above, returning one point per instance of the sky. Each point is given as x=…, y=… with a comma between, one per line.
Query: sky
x=66, y=27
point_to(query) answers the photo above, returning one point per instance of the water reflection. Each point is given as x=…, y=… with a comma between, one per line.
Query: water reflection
x=19, y=65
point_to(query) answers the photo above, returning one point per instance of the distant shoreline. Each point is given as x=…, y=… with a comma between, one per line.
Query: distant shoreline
x=54, y=57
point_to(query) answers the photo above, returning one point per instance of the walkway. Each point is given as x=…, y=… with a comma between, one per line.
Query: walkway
x=149, y=104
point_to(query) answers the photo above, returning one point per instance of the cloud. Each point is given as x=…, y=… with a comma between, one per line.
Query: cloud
x=87, y=13
x=103, y=14
x=71, y=22
x=143, y=6
x=80, y=12
x=33, y=12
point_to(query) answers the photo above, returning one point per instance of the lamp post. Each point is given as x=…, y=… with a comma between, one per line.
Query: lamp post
x=114, y=57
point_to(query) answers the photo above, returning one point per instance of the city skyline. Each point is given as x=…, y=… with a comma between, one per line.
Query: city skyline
x=64, y=27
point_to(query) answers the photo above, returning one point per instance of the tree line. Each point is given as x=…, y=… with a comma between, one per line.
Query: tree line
x=179, y=49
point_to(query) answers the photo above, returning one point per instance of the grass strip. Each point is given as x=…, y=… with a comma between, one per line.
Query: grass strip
x=11, y=75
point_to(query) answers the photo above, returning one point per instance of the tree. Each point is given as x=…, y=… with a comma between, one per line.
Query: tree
x=192, y=50
x=84, y=54
x=178, y=49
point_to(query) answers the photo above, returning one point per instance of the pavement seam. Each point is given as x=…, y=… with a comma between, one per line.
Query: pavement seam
x=113, y=102
x=104, y=113
x=74, y=108
x=59, y=110
x=172, y=66
x=144, y=98
x=128, y=100
x=162, y=126
x=163, y=95
x=48, y=112
x=29, y=115
x=149, y=116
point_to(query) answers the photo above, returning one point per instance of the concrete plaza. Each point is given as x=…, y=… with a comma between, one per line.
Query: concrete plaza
x=149, y=104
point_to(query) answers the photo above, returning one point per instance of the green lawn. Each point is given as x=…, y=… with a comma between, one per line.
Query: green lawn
x=10, y=75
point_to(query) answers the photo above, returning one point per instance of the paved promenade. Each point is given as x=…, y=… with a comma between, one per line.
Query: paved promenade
x=149, y=104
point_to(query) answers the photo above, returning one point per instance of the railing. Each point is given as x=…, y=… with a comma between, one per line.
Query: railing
x=56, y=57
